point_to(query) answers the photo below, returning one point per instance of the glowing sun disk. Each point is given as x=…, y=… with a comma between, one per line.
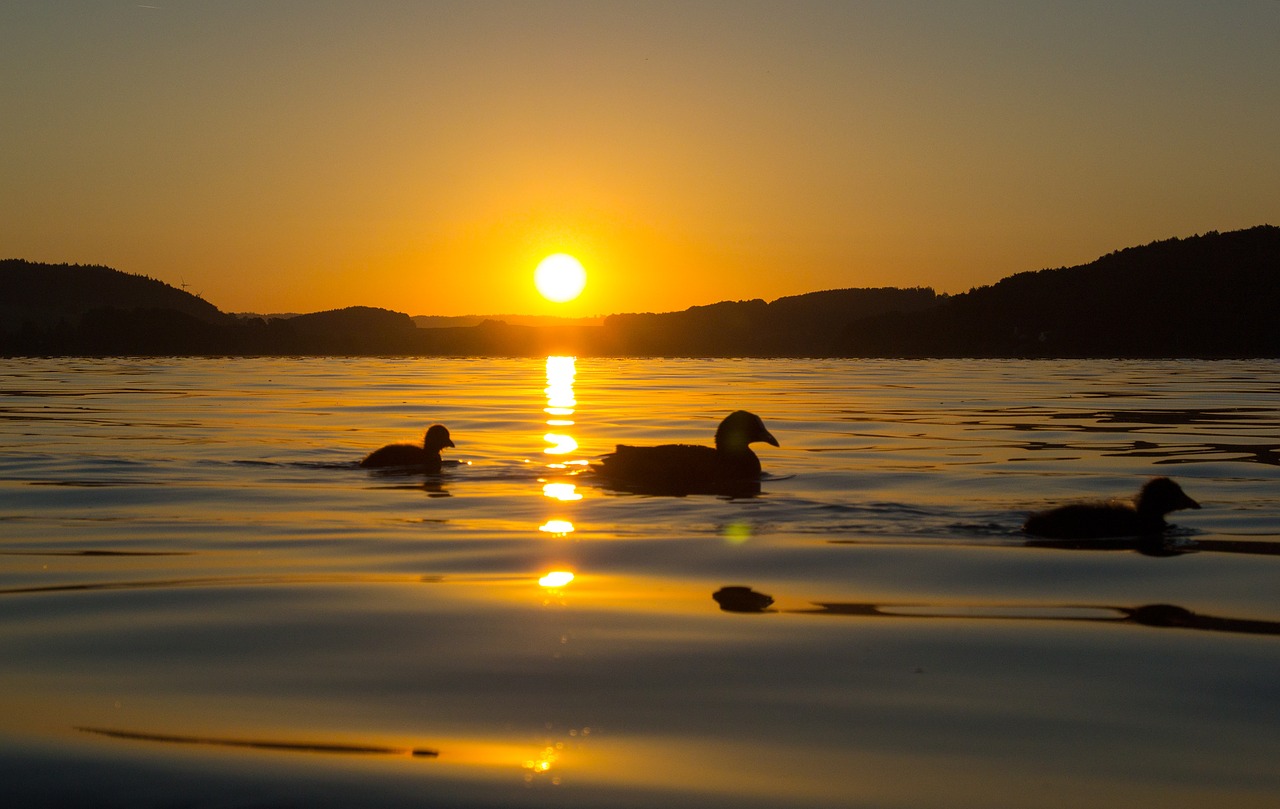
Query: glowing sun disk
x=560, y=278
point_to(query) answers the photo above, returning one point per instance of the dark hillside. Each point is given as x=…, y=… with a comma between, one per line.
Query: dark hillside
x=1206, y=296
x=47, y=293
x=801, y=325
x=1214, y=295
x=354, y=330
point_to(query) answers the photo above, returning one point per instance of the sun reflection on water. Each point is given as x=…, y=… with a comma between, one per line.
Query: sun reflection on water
x=559, y=390
x=556, y=578
x=564, y=492
x=568, y=463
x=560, y=406
x=544, y=762
x=560, y=444
x=553, y=591
x=561, y=372
x=557, y=527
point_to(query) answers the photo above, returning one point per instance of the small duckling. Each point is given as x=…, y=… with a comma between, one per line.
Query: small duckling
x=426, y=457
x=678, y=469
x=1144, y=516
x=737, y=598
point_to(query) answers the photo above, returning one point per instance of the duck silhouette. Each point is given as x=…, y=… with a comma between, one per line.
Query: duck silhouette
x=1143, y=517
x=738, y=598
x=426, y=458
x=729, y=468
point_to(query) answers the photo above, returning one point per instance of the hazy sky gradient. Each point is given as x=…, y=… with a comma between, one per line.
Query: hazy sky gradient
x=298, y=156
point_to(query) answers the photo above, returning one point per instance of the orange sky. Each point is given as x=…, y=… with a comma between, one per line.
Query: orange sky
x=298, y=156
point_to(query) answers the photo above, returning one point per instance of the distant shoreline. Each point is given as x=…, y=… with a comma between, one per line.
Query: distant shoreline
x=1212, y=296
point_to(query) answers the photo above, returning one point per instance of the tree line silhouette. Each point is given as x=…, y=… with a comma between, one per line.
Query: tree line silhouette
x=1213, y=295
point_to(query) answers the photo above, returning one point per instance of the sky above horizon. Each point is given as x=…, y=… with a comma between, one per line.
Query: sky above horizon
x=423, y=157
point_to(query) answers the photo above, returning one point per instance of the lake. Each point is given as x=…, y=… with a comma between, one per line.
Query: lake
x=204, y=601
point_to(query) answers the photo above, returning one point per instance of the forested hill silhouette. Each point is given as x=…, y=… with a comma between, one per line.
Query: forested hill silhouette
x=1213, y=295
x=801, y=325
x=64, y=309
x=46, y=293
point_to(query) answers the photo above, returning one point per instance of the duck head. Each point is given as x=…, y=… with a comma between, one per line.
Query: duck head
x=437, y=438
x=1159, y=496
x=741, y=428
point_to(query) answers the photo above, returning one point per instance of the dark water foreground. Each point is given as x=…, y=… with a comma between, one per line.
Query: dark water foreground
x=204, y=602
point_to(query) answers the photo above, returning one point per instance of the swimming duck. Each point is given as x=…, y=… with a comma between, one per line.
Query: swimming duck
x=426, y=457
x=1144, y=516
x=730, y=468
x=737, y=598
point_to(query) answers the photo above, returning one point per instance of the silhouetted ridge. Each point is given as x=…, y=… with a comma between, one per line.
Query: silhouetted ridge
x=1210, y=295
x=354, y=330
x=46, y=293
x=464, y=321
x=801, y=325
x=1206, y=296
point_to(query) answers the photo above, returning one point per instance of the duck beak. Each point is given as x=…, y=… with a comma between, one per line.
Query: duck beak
x=1189, y=503
x=768, y=438
x=451, y=444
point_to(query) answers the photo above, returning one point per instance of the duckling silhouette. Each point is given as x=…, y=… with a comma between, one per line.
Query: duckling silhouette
x=677, y=469
x=737, y=598
x=1144, y=516
x=425, y=458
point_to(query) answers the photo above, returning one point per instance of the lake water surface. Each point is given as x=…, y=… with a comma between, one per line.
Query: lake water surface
x=204, y=601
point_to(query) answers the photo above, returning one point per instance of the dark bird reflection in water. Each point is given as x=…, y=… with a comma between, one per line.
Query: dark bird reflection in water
x=265, y=744
x=737, y=598
x=411, y=457
x=1144, y=516
x=730, y=468
x=1153, y=615
x=1159, y=545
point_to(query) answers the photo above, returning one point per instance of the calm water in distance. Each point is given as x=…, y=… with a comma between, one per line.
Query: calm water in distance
x=204, y=601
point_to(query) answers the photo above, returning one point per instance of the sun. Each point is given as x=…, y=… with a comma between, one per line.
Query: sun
x=560, y=277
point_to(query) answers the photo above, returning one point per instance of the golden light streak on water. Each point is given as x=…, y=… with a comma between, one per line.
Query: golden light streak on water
x=559, y=390
x=560, y=403
x=564, y=492
x=561, y=444
x=556, y=578
x=557, y=527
